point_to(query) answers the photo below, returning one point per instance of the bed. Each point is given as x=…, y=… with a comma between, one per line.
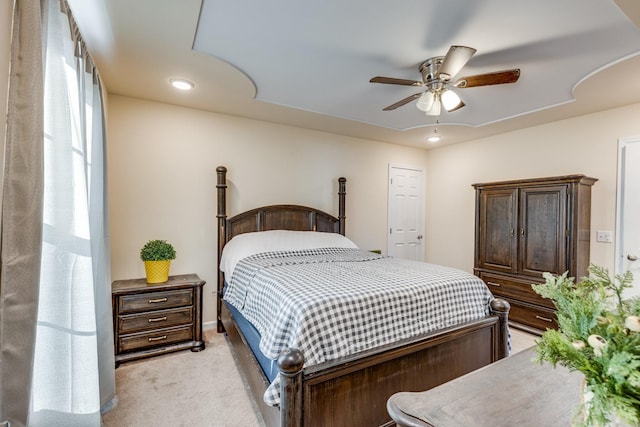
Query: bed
x=341, y=387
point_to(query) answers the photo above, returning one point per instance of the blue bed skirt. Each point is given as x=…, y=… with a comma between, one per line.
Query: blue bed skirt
x=251, y=334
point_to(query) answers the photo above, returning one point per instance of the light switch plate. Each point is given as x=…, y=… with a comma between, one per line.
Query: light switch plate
x=604, y=236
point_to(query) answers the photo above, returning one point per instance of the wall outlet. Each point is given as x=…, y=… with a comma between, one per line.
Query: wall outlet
x=604, y=236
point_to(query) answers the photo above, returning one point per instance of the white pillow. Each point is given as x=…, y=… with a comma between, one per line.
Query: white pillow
x=247, y=244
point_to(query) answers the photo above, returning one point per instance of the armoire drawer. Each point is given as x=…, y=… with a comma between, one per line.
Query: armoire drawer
x=509, y=287
x=531, y=315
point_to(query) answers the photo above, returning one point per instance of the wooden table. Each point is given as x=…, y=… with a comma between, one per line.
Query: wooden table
x=511, y=392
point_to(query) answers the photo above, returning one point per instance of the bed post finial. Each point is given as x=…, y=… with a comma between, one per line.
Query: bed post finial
x=290, y=364
x=222, y=236
x=501, y=308
x=342, y=192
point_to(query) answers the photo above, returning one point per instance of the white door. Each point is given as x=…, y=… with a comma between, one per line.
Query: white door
x=628, y=212
x=406, y=213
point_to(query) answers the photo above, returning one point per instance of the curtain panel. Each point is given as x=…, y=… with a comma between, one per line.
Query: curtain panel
x=21, y=222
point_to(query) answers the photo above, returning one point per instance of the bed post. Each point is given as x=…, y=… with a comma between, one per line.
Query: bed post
x=290, y=364
x=222, y=219
x=341, y=205
x=500, y=308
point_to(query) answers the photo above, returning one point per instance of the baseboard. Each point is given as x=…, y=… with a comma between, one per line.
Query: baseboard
x=209, y=325
x=109, y=405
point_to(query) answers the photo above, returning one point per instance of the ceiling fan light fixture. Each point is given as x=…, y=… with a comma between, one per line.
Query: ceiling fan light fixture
x=425, y=102
x=450, y=100
x=435, y=108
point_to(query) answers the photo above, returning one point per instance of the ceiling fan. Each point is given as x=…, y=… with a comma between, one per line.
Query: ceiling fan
x=437, y=73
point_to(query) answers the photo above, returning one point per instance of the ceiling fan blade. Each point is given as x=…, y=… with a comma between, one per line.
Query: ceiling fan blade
x=496, y=78
x=456, y=58
x=393, y=81
x=400, y=103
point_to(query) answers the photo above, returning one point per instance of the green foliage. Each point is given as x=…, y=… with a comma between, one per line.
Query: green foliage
x=593, y=338
x=157, y=250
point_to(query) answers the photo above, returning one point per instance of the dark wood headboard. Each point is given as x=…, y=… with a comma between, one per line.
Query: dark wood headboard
x=273, y=217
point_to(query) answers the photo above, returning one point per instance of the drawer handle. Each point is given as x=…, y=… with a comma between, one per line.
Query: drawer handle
x=494, y=284
x=546, y=319
x=158, y=319
x=164, y=337
x=153, y=301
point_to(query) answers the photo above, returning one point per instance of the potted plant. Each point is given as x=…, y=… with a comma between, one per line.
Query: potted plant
x=599, y=335
x=157, y=256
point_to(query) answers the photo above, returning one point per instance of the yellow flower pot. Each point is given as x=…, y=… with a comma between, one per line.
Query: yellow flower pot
x=157, y=271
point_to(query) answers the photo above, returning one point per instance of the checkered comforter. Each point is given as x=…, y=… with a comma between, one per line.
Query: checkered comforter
x=333, y=302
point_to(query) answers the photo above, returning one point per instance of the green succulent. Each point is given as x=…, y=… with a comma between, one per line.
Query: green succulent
x=157, y=250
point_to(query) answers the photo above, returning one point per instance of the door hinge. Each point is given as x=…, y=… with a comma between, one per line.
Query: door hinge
x=390, y=230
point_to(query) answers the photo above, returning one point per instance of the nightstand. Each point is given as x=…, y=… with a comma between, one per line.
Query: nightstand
x=153, y=319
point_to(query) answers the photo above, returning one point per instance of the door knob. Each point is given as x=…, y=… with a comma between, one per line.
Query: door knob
x=632, y=257
x=419, y=236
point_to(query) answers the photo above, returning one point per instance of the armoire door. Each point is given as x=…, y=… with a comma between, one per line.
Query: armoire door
x=498, y=248
x=543, y=230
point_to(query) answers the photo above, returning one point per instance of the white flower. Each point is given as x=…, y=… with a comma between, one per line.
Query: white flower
x=578, y=345
x=632, y=323
x=597, y=343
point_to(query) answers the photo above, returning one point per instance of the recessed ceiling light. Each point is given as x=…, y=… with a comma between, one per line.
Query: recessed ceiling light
x=181, y=84
x=435, y=136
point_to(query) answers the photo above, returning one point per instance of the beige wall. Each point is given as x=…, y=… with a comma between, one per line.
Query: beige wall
x=162, y=161
x=583, y=145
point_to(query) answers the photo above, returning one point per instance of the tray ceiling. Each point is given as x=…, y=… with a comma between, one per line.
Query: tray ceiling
x=308, y=64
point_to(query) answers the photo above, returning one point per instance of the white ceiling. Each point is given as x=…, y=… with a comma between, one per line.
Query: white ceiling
x=308, y=63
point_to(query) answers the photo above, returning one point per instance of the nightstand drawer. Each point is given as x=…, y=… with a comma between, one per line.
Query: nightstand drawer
x=155, y=301
x=154, y=320
x=156, y=338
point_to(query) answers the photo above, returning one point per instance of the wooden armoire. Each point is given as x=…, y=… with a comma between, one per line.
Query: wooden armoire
x=527, y=227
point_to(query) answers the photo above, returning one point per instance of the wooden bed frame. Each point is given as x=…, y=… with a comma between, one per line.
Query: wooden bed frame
x=350, y=391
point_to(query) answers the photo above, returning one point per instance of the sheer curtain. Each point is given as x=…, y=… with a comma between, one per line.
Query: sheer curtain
x=73, y=363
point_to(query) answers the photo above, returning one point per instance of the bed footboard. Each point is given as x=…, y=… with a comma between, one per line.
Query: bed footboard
x=353, y=391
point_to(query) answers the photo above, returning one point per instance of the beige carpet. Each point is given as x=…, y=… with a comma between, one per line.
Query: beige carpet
x=204, y=389
x=187, y=389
